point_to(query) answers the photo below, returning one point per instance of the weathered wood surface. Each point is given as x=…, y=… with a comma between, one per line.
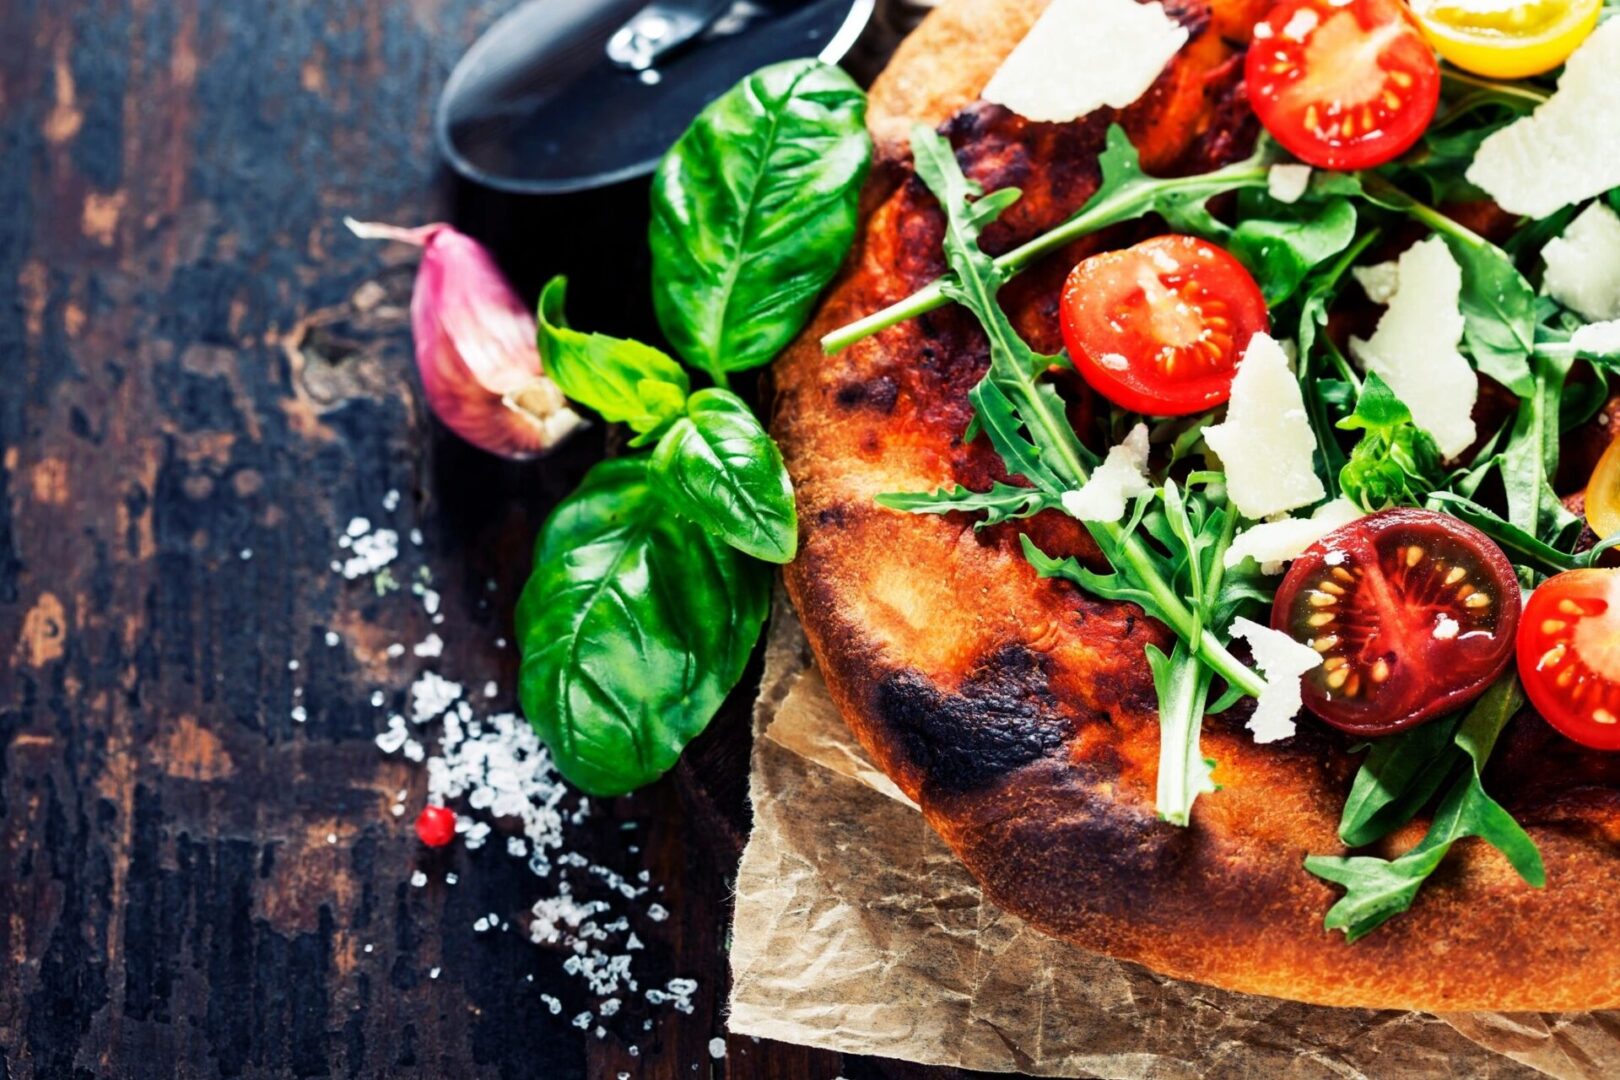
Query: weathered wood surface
x=189, y=879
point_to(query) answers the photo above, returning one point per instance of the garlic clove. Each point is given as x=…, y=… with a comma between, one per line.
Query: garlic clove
x=475, y=346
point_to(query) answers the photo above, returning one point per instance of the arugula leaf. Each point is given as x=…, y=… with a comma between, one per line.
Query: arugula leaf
x=1124, y=194
x=1401, y=774
x=1025, y=420
x=1395, y=463
x=633, y=627
x=1377, y=889
x=1182, y=684
x=1282, y=244
x=1530, y=458
x=623, y=380
x=1521, y=547
x=1003, y=502
x=753, y=211
x=717, y=467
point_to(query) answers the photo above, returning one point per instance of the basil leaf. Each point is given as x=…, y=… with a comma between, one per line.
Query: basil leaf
x=633, y=627
x=1377, y=889
x=753, y=211
x=1281, y=244
x=1395, y=463
x=623, y=380
x=718, y=468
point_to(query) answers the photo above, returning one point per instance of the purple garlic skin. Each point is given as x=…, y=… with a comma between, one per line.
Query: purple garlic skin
x=475, y=347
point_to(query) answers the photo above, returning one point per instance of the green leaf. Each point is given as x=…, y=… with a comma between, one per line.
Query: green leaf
x=1003, y=502
x=625, y=381
x=716, y=466
x=1498, y=307
x=1377, y=889
x=753, y=211
x=633, y=627
x=1182, y=684
x=1282, y=244
x=1520, y=547
x=1395, y=463
x=1530, y=458
x=1401, y=774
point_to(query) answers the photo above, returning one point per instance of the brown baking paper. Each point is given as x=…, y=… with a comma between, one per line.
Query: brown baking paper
x=857, y=930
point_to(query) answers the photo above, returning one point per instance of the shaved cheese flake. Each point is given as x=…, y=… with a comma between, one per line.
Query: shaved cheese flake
x=1265, y=443
x=1564, y=151
x=1284, y=661
x=1599, y=339
x=1415, y=350
x=1082, y=55
x=1273, y=543
x=1121, y=476
x=1379, y=281
x=1583, y=264
x=1287, y=182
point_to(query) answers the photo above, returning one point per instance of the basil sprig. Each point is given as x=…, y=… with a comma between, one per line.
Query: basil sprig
x=753, y=211
x=646, y=597
x=633, y=627
x=1394, y=784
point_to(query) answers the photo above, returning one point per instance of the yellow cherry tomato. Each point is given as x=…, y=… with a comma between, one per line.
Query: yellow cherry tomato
x=1506, y=39
x=1603, y=493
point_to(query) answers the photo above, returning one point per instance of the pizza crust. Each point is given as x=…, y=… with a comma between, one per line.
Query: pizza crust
x=1019, y=713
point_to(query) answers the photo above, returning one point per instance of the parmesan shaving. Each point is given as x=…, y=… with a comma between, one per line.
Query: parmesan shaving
x=1287, y=182
x=1583, y=264
x=1083, y=55
x=1598, y=339
x=1273, y=543
x=1122, y=476
x=1265, y=442
x=1415, y=350
x=1284, y=661
x=1564, y=151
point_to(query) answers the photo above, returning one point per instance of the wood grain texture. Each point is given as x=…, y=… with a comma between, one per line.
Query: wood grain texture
x=172, y=175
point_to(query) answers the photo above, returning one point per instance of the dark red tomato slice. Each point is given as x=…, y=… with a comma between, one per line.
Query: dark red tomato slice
x=1569, y=655
x=1413, y=612
x=1158, y=328
x=1342, y=85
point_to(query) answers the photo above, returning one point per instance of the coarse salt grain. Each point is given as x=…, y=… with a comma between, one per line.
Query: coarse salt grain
x=430, y=646
x=717, y=1048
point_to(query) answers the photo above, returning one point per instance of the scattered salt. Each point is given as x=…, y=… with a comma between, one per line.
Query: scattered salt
x=299, y=714
x=717, y=1048
x=430, y=646
x=391, y=500
x=332, y=639
x=418, y=879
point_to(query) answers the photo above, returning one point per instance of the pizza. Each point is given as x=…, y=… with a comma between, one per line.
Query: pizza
x=1018, y=706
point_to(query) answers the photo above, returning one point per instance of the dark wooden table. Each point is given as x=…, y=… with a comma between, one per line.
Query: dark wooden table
x=204, y=378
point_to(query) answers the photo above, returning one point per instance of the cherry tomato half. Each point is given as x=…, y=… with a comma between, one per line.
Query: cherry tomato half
x=1343, y=85
x=1507, y=40
x=1158, y=328
x=1603, y=493
x=1413, y=612
x=1569, y=655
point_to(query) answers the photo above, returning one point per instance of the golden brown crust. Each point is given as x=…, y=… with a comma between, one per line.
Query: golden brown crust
x=1019, y=713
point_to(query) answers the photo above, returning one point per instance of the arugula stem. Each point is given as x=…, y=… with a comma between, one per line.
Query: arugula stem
x=1516, y=94
x=1132, y=202
x=1185, y=623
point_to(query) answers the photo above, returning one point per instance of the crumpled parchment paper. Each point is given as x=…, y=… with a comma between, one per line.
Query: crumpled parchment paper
x=857, y=930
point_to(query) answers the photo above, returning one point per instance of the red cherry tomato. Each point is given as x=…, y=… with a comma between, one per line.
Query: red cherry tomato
x=436, y=825
x=1343, y=85
x=1569, y=655
x=1158, y=328
x=1413, y=612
